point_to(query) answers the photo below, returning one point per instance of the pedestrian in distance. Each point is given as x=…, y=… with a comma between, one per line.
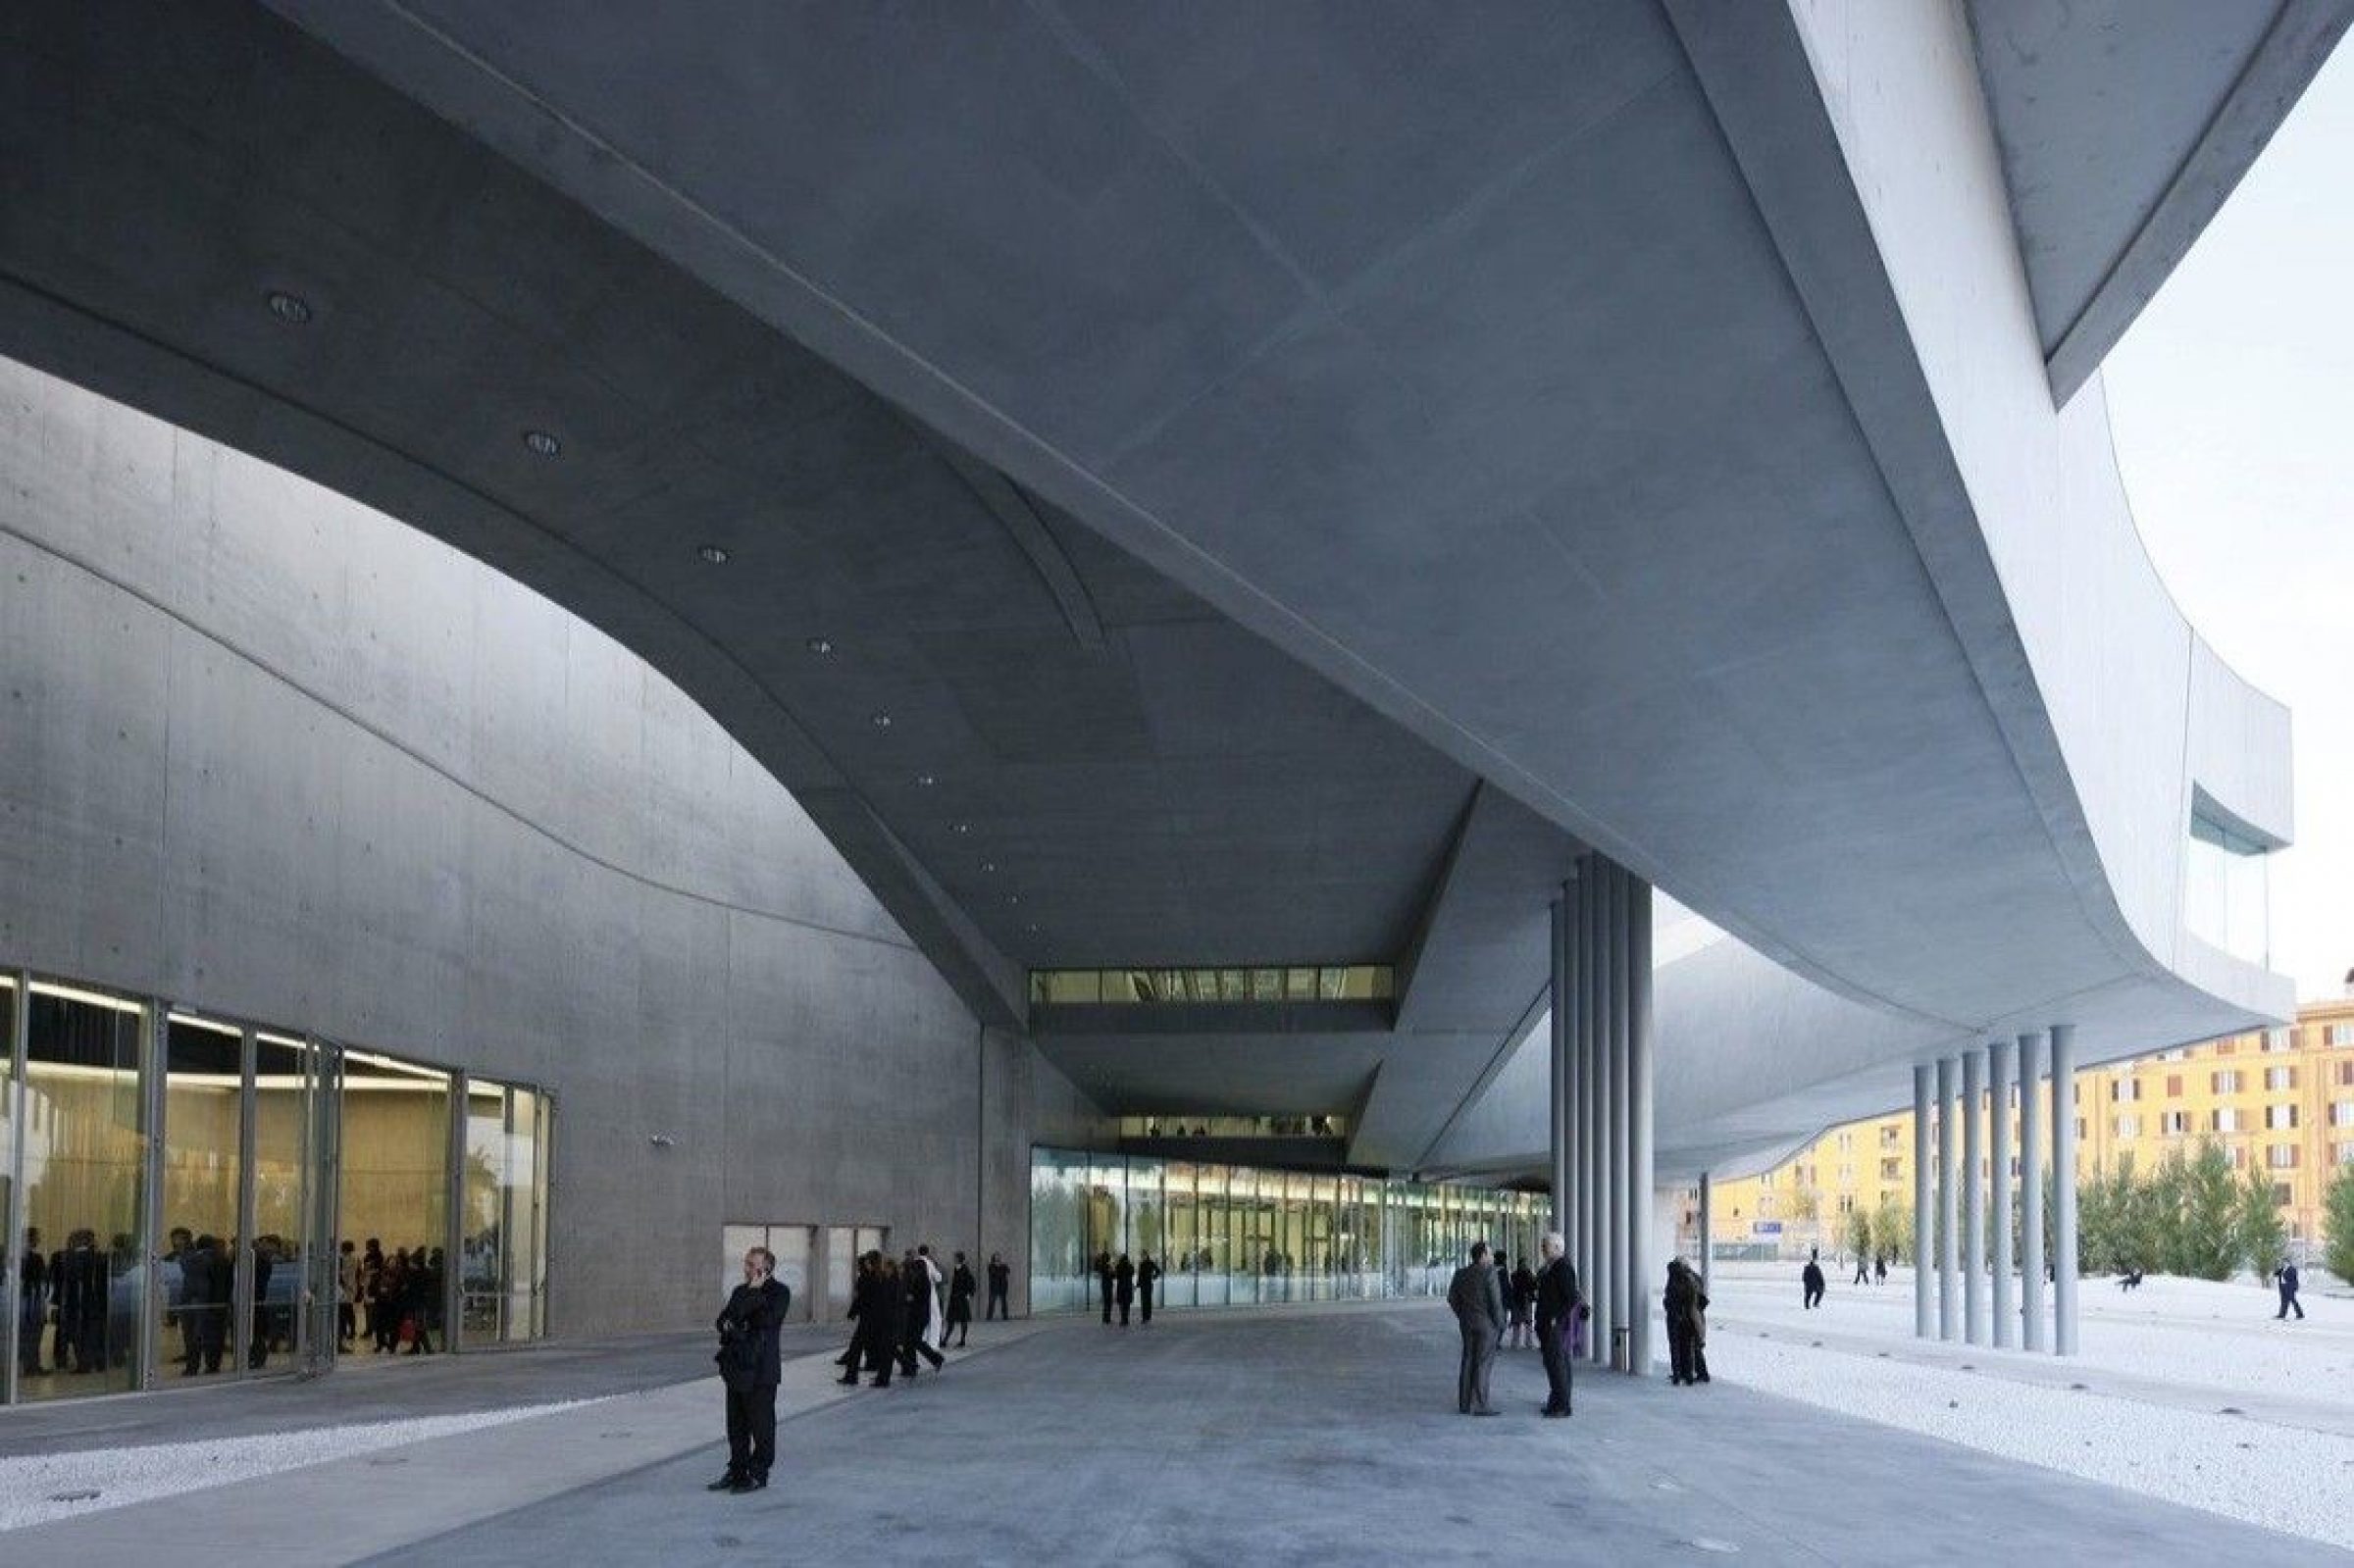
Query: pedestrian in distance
x=1879, y=1268
x=1685, y=1306
x=2286, y=1276
x=1862, y=1271
x=1557, y=1304
x=960, y=1303
x=1105, y=1281
x=1001, y=1285
x=750, y=1366
x=1148, y=1277
x=1811, y=1279
x=1479, y=1306
x=1123, y=1286
x=1520, y=1308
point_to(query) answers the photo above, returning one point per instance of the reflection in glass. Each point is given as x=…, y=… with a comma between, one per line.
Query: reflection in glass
x=83, y=1165
x=280, y=1258
x=204, y=1077
x=503, y=1240
x=395, y=1200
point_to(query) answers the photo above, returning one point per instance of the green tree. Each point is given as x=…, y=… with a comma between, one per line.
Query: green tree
x=2263, y=1239
x=1854, y=1233
x=1892, y=1229
x=2338, y=1224
x=2207, y=1240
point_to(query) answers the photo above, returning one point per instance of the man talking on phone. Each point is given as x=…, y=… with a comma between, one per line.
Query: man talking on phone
x=749, y=1364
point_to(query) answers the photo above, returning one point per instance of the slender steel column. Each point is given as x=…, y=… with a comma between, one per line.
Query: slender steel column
x=2001, y=1145
x=1557, y=1124
x=1949, y=1207
x=1623, y=1284
x=1973, y=1195
x=1707, y=1232
x=1580, y=1003
x=2030, y=1189
x=1606, y=1217
x=1924, y=1224
x=1642, y=1200
x=2063, y=1189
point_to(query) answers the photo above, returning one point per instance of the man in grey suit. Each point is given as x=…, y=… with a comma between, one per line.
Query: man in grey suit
x=1479, y=1306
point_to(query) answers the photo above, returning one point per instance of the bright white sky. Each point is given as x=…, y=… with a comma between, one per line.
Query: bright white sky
x=2232, y=404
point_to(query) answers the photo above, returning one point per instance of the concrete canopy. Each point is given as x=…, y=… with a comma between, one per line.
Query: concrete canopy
x=1556, y=384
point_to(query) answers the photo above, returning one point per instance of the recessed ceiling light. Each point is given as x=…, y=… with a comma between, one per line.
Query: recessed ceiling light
x=1033, y=925
x=1013, y=899
x=714, y=554
x=989, y=865
x=291, y=309
x=543, y=443
x=881, y=721
x=820, y=645
x=960, y=827
x=925, y=781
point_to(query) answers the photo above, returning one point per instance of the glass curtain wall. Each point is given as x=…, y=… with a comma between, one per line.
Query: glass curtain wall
x=174, y=1186
x=1228, y=1234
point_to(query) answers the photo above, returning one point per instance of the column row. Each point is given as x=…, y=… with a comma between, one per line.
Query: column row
x=1972, y=1094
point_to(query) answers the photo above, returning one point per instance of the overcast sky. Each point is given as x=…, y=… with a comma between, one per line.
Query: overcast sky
x=2232, y=404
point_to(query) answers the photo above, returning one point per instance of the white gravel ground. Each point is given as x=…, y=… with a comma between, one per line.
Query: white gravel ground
x=30, y=1488
x=2215, y=1338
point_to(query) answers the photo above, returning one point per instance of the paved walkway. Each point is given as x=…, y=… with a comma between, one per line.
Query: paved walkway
x=1324, y=1436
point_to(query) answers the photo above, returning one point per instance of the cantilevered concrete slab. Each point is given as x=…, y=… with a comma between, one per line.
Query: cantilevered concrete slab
x=1228, y=438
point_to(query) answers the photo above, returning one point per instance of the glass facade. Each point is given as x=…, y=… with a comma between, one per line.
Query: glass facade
x=2227, y=890
x=1243, y=1236
x=1121, y=987
x=185, y=1196
x=1173, y=1125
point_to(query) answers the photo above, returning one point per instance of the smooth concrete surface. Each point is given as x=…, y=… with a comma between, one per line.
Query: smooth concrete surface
x=281, y=758
x=352, y=1509
x=1315, y=1436
x=1895, y=728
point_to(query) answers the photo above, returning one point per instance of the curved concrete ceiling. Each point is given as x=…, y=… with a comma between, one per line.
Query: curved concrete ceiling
x=1559, y=390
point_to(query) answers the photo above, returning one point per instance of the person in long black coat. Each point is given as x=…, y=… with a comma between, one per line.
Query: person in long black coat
x=1001, y=1283
x=915, y=1315
x=1557, y=1299
x=1685, y=1304
x=1123, y=1278
x=751, y=1366
x=202, y=1320
x=77, y=1288
x=962, y=1286
x=1104, y=1277
x=886, y=1308
x=1148, y=1275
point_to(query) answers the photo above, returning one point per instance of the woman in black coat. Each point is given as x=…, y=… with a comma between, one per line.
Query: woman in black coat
x=1685, y=1304
x=962, y=1286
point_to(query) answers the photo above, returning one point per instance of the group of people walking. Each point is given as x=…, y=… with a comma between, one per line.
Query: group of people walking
x=1490, y=1300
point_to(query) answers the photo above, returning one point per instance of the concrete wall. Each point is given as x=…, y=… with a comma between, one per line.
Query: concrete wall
x=268, y=752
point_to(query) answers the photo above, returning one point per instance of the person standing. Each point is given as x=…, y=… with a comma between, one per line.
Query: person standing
x=1557, y=1302
x=200, y=1322
x=936, y=1317
x=1879, y=1268
x=1523, y=1302
x=1123, y=1286
x=1000, y=1286
x=1862, y=1271
x=32, y=1304
x=1478, y=1308
x=347, y=1296
x=263, y=1264
x=960, y=1303
x=1685, y=1306
x=2286, y=1276
x=1147, y=1275
x=1811, y=1279
x=1103, y=1280
x=750, y=1367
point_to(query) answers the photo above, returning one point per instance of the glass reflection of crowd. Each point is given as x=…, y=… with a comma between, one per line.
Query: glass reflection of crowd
x=80, y=1299
x=398, y=1299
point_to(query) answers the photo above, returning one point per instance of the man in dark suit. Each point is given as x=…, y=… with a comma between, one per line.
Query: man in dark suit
x=1557, y=1304
x=750, y=1366
x=1479, y=1306
x=1000, y=1282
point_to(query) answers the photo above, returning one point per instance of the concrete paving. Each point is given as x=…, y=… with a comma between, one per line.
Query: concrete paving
x=1325, y=1436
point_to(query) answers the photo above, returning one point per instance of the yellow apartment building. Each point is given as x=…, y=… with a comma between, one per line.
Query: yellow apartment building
x=2282, y=1098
